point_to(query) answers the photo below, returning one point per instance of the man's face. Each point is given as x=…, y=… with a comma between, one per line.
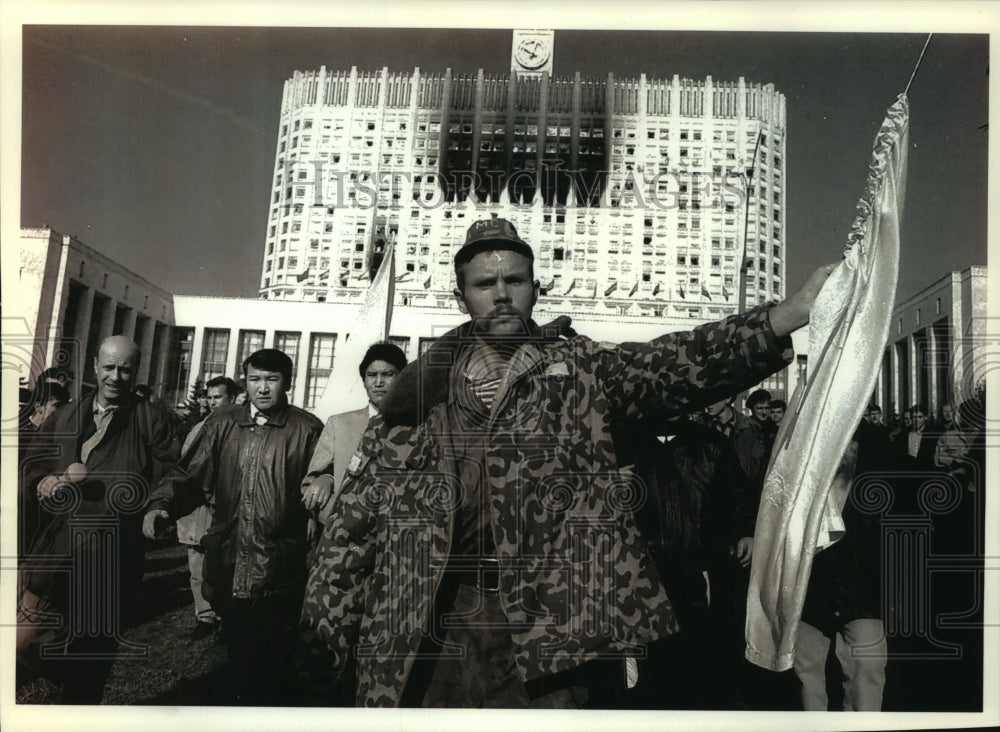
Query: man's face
x=777, y=414
x=907, y=419
x=498, y=292
x=378, y=378
x=947, y=414
x=217, y=396
x=115, y=366
x=714, y=410
x=919, y=421
x=266, y=389
x=875, y=416
x=761, y=411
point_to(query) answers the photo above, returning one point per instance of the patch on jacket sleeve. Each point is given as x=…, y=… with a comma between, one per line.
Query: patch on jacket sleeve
x=559, y=368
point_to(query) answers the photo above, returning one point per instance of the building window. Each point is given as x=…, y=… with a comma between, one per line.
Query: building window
x=250, y=341
x=403, y=342
x=288, y=343
x=213, y=353
x=321, y=349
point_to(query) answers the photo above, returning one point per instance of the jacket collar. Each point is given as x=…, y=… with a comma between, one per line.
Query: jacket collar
x=277, y=417
x=88, y=406
x=426, y=382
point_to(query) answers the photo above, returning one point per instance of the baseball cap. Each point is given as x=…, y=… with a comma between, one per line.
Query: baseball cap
x=491, y=234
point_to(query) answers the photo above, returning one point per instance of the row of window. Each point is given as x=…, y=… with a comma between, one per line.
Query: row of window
x=360, y=125
x=432, y=125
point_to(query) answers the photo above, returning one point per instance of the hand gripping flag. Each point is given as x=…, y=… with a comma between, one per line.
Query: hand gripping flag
x=849, y=326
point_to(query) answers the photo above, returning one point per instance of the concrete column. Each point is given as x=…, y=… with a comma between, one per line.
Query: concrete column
x=477, y=118
x=146, y=348
x=609, y=122
x=930, y=369
x=79, y=335
x=510, y=116
x=128, y=327
x=321, y=87
x=881, y=387
x=642, y=110
x=161, y=355
x=574, y=143
x=196, y=348
x=232, y=352
x=896, y=389
x=298, y=394
x=108, y=321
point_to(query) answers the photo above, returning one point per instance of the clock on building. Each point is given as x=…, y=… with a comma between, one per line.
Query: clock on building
x=533, y=52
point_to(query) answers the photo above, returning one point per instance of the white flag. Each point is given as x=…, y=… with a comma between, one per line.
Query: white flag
x=344, y=390
x=848, y=329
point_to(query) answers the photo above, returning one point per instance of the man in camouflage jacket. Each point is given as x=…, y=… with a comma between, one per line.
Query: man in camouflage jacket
x=492, y=467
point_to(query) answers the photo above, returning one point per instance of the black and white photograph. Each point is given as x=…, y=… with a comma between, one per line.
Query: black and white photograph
x=633, y=362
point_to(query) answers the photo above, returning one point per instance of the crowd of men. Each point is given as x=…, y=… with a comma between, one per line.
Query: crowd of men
x=522, y=517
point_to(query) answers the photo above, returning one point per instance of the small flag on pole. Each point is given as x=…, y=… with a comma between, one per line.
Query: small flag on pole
x=344, y=390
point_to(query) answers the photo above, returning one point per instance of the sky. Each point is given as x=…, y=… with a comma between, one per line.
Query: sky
x=155, y=145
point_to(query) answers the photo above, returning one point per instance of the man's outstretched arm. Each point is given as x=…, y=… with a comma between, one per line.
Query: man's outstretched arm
x=793, y=312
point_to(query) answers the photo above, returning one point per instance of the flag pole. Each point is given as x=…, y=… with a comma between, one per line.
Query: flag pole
x=741, y=301
x=747, y=178
x=921, y=58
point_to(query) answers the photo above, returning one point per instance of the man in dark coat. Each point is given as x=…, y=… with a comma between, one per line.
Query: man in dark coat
x=694, y=513
x=91, y=466
x=254, y=458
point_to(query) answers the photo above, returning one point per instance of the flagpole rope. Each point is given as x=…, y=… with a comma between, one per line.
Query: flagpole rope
x=926, y=43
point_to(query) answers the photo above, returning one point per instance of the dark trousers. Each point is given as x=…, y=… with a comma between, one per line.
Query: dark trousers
x=695, y=667
x=260, y=640
x=475, y=666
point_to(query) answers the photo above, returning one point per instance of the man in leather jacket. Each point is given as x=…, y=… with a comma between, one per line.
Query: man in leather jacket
x=255, y=457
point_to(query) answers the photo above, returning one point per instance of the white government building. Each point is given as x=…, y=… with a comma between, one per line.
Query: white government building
x=641, y=197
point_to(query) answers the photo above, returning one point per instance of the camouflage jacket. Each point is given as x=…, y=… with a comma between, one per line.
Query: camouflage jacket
x=576, y=581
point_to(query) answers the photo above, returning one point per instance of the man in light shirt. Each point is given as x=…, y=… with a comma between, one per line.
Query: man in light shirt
x=342, y=432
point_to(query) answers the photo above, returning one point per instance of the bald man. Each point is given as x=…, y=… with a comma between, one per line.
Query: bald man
x=84, y=568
